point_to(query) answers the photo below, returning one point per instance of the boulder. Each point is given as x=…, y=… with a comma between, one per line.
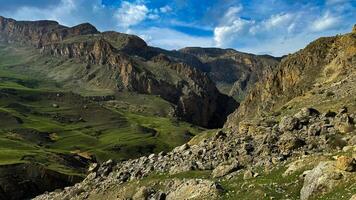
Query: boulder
x=320, y=180
x=344, y=123
x=289, y=141
x=305, y=114
x=225, y=169
x=194, y=189
x=346, y=163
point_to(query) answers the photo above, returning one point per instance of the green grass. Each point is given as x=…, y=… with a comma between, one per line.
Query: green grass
x=133, y=125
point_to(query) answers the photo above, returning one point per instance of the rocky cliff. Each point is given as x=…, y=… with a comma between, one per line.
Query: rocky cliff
x=124, y=62
x=321, y=75
x=234, y=72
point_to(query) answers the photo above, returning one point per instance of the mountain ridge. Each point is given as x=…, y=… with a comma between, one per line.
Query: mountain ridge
x=197, y=99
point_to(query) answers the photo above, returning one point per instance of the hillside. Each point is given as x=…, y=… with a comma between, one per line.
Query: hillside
x=119, y=62
x=322, y=76
x=234, y=72
x=292, y=138
x=71, y=96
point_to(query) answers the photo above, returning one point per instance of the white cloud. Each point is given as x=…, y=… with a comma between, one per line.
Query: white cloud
x=165, y=9
x=58, y=12
x=226, y=34
x=278, y=20
x=130, y=14
x=231, y=14
x=325, y=22
x=172, y=39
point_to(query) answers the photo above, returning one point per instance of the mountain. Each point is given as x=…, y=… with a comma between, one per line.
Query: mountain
x=293, y=137
x=322, y=75
x=233, y=72
x=120, y=62
x=70, y=96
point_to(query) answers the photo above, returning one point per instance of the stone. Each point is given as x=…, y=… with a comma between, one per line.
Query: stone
x=248, y=174
x=225, y=169
x=289, y=141
x=141, y=194
x=353, y=196
x=305, y=114
x=314, y=129
x=93, y=167
x=288, y=123
x=346, y=163
x=194, y=189
x=321, y=179
x=294, y=167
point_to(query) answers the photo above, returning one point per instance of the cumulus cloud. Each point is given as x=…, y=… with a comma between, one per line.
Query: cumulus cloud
x=281, y=32
x=225, y=34
x=130, y=14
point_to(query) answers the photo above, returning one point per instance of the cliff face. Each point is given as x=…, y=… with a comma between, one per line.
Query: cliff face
x=234, y=72
x=127, y=63
x=311, y=77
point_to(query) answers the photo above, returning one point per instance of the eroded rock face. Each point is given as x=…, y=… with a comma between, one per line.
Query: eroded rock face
x=319, y=74
x=234, y=72
x=125, y=62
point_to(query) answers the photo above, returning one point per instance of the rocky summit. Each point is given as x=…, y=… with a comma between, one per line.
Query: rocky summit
x=86, y=114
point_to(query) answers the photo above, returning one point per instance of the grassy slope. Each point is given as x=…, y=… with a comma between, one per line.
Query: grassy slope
x=130, y=126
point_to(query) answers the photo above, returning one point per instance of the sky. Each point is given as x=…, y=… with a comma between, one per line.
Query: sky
x=275, y=27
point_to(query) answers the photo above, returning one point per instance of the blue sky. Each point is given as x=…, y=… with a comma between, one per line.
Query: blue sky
x=275, y=27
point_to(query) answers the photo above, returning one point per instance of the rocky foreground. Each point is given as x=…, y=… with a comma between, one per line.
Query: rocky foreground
x=267, y=144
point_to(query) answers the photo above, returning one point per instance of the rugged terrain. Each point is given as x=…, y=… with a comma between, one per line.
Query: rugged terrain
x=73, y=96
x=233, y=72
x=119, y=62
x=77, y=104
x=292, y=138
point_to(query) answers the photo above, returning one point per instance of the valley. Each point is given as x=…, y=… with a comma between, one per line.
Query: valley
x=86, y=114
